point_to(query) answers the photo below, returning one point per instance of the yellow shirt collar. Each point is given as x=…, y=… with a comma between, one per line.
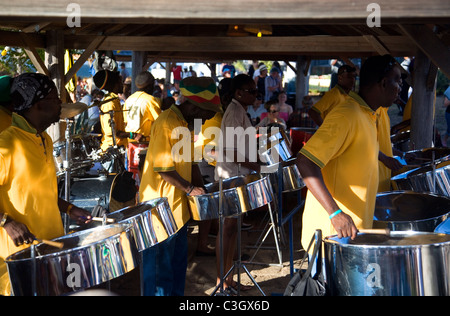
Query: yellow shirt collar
x=361, y=101
x=22, y=123
x=177, y=112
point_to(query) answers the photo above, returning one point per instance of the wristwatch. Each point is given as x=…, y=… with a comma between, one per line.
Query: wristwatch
x=3, y=221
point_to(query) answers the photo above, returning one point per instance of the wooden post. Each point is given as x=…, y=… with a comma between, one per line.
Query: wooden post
x=54, y=61
x=139, y=59
x=302, y=82
x=422, y=112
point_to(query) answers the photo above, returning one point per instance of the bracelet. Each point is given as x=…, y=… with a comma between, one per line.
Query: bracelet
x=131, y=135
x=69, y=208
x=3, y=221
x=335, y=213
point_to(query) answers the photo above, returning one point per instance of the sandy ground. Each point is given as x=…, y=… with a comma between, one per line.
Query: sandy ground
x=271, y=276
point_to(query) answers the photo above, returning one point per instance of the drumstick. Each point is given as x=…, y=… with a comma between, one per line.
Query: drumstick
x=100, y=219
x=380, y=231
x=55, y=244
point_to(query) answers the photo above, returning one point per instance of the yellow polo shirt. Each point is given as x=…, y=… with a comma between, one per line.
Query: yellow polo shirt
x=113, y=105
x=142, y=109
x=28, y=189
x=345, y=147
x=160, y=158
x=330, y=100
x=384, y=140
x=209, y=136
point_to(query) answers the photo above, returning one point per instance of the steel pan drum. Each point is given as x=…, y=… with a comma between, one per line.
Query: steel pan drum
x=88, y=258
x=274, y=148
x=406, y=210
x=288, y=171
x=423, y=180
x=88, y=191
x=240, y=195
x=151, y=222
x=402, y=264
x=424, y=157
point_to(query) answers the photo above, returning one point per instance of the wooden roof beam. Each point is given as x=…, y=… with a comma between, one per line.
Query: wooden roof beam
x=430, y=44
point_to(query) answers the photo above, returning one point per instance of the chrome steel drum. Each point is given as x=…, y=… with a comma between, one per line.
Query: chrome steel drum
x=425, y=157
x=425, y=179
x=88, y=258
x=89, y=191
x=407, y=210
x=403, y=264
x=289, y=173
x=274, y=148
x=151, y=222
x=240, y=195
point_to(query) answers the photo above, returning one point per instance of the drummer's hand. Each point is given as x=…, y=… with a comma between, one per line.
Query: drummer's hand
x=410, y=157
x=197, y=191
x=18, y=232
x=392, y=163
x=80, y=215
x=344, y=226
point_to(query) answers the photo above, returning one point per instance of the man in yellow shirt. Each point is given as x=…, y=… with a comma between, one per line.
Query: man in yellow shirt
x=29, y=203
x=346, y=82
x=169, y=172
x=112, y=83
x=141, y=108
x=339, y=164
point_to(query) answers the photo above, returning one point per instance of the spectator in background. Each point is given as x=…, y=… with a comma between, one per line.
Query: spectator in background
x=300, y=117
x=228, y=71
x=176, y=70
x=124, y=72
x=256, y=110
x=285, y=109
x=260, y=80
x=273, y=117
x=273, y=84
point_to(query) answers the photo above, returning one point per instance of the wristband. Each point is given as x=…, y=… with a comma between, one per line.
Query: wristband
x=335, y=213
x=69, y=208
x=131, y=135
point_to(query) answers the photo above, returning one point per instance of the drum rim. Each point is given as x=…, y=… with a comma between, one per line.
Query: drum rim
x=126, y=229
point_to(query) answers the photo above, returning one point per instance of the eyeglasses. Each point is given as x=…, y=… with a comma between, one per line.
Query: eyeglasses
x=251, y=91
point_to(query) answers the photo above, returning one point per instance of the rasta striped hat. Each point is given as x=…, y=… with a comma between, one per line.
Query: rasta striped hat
x=202, y=92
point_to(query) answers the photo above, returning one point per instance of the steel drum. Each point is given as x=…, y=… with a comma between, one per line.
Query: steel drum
x=288, y=172
x=425, y=179
x=402, y=264
x=274, y=148
x=151, y=222
x=88, y=258
x=240, y=195
x=407, y=210
x=424, y=158
x=89, y=191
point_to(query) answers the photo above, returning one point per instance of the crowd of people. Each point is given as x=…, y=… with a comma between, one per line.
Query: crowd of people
x=346, y=146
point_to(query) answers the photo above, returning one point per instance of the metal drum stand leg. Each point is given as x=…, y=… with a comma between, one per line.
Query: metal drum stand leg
x=67, y=169
x=221, y=222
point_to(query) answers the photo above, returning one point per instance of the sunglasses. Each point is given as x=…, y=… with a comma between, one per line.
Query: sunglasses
x=391, y=64
x=251, y=91
x=274, y=111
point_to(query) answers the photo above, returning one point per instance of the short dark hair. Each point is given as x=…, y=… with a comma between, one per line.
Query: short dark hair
x=375, y=68
x=239, y=82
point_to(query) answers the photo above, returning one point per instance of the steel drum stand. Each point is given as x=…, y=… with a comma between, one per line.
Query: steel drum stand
x=67, y=171
x=238, y=263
